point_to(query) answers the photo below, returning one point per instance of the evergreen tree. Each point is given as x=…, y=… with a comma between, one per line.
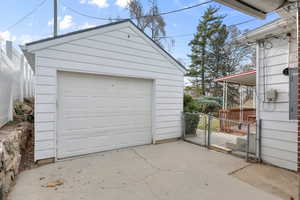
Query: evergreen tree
x=226, y=57
x=208, y=26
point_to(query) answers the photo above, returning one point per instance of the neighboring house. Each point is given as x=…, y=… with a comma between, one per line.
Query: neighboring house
x=103, y=88
x=16, y=79
x=277, y=105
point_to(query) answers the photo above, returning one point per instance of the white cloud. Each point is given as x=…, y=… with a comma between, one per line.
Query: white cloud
x=99, y=3
x=86, y=25
x=123, y=3
x=66, y=22
x=50, y=22
x=6, y=35
x=23, y=39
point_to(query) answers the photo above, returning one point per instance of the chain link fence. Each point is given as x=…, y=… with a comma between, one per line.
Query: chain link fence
x=234, y=137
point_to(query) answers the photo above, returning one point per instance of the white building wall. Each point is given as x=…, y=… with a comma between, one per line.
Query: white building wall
x=7, y=72
x=119, y=50
x=12, y=79
x=279, y=134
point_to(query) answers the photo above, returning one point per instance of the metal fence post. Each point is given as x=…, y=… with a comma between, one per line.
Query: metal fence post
x=205, y=130
x=183, y=125
x=259, y=140
x=208, y=132
x=248, y=142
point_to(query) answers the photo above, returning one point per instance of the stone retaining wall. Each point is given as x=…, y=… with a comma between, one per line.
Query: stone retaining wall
x=13, y=142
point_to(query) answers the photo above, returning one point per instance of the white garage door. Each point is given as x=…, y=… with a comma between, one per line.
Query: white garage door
x=98, y=113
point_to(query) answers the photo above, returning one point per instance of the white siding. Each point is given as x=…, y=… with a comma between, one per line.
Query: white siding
x=119, y=50
x=279, y=134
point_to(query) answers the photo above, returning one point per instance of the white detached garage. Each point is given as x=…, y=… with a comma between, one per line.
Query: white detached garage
x=104, y=88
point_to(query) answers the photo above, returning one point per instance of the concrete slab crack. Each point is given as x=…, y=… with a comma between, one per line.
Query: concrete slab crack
x=145, y=159
x=239, y=169
x=153, y=166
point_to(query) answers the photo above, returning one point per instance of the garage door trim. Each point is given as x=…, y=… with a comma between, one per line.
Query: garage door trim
x=153, y=105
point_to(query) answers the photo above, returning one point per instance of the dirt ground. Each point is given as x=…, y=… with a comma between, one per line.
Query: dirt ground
x=27, y=158
x=274, y=180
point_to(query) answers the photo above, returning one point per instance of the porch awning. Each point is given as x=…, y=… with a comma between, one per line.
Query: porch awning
x=244, y=78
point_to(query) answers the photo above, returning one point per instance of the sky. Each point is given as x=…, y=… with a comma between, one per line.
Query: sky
x=180, y=26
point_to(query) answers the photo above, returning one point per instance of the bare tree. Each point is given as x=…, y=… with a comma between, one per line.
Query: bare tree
x=136, y=12
x=151, y=20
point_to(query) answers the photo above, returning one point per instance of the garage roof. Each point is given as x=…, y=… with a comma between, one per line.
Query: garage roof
x=100, y=27
x=244, y=78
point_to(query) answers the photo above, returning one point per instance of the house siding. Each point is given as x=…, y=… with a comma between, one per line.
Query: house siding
x=278, y=133
x=120, y=51
x=298, y=66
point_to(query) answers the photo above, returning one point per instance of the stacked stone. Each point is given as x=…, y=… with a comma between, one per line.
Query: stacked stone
x=12, y=143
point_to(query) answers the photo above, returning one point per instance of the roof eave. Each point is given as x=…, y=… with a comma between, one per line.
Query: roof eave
x=277, y=26
x=29, y=46
x=242, y=7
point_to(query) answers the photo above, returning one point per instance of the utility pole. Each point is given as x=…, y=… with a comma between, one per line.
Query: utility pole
x=153, y=7
x=55, y=28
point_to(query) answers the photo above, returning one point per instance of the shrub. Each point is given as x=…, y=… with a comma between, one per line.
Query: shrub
x=191, y=107
x=189, y=104
x=209, y=105
x=191, y=123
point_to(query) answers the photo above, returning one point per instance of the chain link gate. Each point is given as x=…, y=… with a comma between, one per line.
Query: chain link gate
x=234, y=137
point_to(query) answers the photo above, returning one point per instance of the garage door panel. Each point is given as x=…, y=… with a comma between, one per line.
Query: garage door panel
x=105, y=109
x=78, y=114
x=102, y=143
x=128, y=104
x=103, y=132
x=98, y=113
x=105, y=123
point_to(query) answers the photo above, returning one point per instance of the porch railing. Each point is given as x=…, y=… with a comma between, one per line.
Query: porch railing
x=236, y=114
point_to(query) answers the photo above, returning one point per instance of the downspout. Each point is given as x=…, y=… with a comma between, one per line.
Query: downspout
x=258, y=103
x=298, y=66
x=289, y=50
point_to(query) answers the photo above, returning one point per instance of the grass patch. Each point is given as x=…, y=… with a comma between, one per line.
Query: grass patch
x=215, y=124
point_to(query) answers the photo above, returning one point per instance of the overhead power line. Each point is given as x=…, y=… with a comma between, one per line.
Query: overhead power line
x=160, y=14
x=189, y=34
x=27, y=15
x=185, y=8
x=244, y=22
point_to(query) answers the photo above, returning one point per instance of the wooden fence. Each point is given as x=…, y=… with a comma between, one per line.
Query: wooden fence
x=16, y=79
x=235, y=114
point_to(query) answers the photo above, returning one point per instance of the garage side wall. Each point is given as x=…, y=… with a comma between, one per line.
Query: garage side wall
x=120, y=52
x=279, y=134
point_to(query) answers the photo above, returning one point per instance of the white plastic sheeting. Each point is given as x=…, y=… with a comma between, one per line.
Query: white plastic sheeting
x=16, y=80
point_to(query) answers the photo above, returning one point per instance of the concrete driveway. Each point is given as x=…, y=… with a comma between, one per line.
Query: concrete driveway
x=171, y=171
